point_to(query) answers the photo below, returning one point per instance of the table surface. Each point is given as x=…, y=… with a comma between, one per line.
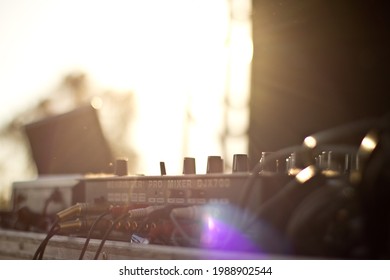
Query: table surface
x=22, y=245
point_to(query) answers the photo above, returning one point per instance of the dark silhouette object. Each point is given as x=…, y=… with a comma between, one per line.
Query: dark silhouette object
x=70, y=143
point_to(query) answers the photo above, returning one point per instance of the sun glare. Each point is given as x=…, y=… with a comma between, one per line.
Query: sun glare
x=186, y=62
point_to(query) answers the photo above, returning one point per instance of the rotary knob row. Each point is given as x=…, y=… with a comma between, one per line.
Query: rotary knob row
x=214, y=165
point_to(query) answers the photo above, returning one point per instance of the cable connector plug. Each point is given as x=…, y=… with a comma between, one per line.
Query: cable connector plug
x=144, y=212
x=82, y=209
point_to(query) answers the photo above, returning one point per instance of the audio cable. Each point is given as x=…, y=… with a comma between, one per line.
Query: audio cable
x=131, y=214
x=83, y=209
x=310, y=146
x=250, y=182
x=194, y=213
x=91, y=230
x=41, y=249
x=115, y=212
x=107, y=233
x=59, y=227
x=63, y=223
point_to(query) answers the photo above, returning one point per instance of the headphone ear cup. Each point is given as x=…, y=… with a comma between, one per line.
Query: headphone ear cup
x=374, y=191
x=321, y=225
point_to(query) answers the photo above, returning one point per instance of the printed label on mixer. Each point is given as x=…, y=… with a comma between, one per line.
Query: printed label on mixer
x=125, y=184
x=178, y=184
x=212, y=183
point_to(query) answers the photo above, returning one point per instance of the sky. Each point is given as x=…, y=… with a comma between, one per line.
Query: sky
x=121, y=44
x=175, y=55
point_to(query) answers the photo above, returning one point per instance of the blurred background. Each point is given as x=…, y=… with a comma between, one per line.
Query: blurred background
x=169, y=78
x=180, y=78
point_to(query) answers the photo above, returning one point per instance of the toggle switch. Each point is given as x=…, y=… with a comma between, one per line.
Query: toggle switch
x=163, y=171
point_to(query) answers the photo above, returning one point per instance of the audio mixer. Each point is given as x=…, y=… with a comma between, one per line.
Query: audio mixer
x=176, y=190
x=315, y=199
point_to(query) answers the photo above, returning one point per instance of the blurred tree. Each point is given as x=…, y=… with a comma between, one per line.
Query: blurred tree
x=115, y=111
